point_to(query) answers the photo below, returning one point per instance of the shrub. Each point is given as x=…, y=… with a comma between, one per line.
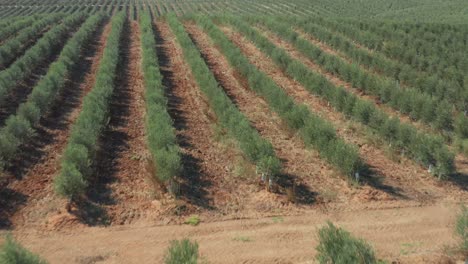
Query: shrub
x=13, y=253
x=193, y=220
x=338, y=246
x=182, y=252
x=70, y=182
x=443, y=119
x=363, y=111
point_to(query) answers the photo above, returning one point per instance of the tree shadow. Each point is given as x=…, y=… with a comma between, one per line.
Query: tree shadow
x=10, y=202
x=90, y=213
x=302, y=193
x=370, y=176
x=460, y=180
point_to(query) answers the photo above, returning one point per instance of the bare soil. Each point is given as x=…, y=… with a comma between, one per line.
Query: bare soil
x=403, y=235
x=29, y=198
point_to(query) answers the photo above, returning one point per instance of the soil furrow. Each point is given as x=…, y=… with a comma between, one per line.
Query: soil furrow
x=232, y=181
x=300, y=164
x=31, y=199
x=207, y=161
x=121, y=186
x=402, y=178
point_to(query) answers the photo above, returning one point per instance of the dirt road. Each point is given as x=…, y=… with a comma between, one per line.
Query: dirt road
x=410, y=235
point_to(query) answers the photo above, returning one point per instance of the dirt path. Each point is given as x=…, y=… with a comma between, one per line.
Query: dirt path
x=411, y=235
x=301, y=164
x=402, y=179
x=122, y=185
x=30, y=198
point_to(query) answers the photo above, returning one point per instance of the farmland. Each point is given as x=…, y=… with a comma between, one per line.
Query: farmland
x=122, y=122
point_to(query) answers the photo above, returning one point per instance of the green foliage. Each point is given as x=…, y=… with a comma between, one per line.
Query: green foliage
x=314, y=130
x=461, y=126
x=182, y=252
x=255, y=148
x=160, y=132
x=461, y=229
x=338, y=246
x=82, y=145
x=13, y=253
x=193, y=220
x=444, y=119
x=20, y=127
x=71, y=181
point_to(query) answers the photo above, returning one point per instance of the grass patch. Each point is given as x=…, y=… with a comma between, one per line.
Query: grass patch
x=183, y=251
x=193, y=220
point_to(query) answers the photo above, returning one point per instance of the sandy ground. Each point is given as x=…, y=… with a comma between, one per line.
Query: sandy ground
x=407, y=235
